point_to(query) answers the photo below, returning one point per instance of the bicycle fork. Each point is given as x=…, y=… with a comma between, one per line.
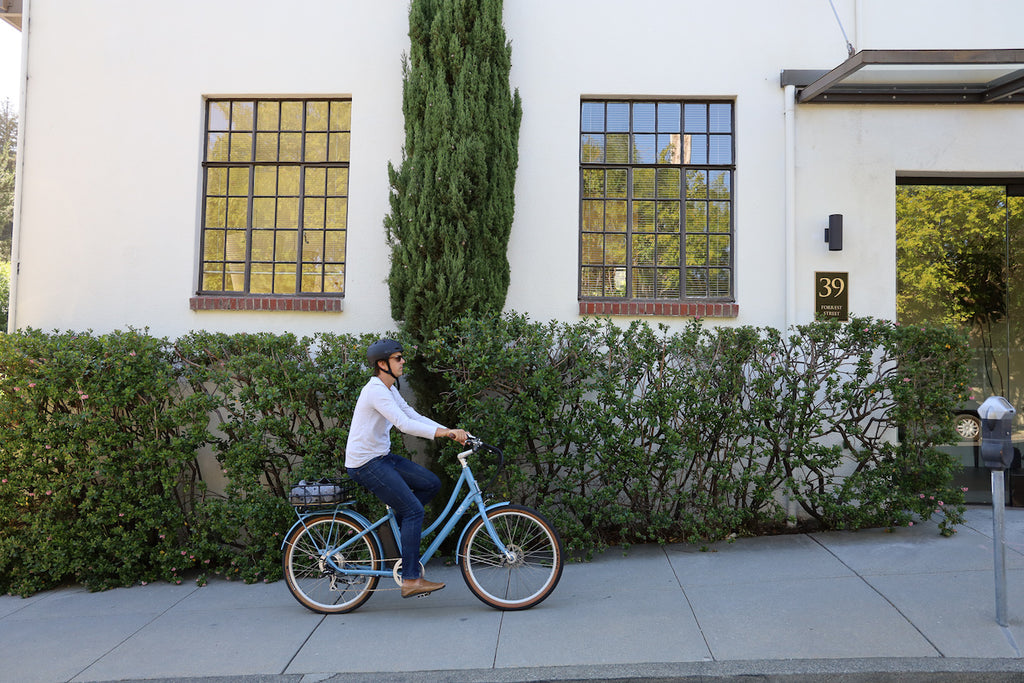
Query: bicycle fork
x=513, y=556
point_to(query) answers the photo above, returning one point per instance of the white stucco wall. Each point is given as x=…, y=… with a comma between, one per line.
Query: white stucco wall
x=113, y=140
x=848, y=161
x=668, y=49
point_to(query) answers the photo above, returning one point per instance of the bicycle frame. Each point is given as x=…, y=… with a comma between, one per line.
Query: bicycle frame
x=473, y=497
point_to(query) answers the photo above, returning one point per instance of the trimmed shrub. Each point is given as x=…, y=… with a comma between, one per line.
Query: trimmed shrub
x=97, y=447
x=636, y=434
x=281, y=412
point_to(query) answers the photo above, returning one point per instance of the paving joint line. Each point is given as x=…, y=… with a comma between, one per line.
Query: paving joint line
x=689, y=604
x=132, y=634
x=305, y=640
x=881, y=595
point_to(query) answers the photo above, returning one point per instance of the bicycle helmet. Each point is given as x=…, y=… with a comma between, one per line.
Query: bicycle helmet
x=382, y=349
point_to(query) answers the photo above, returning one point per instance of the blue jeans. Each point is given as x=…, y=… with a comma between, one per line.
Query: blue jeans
x=406, y=487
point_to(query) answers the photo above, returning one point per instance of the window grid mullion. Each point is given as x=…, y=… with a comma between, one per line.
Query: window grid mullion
x=629, y=219
x=302, y=198
x=249, y=218
x=301, y=217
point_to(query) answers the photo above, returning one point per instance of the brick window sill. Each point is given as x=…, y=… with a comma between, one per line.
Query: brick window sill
x=666, y=308
x=267, y=303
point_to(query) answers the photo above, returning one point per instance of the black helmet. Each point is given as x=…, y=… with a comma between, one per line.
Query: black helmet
x=382, y=349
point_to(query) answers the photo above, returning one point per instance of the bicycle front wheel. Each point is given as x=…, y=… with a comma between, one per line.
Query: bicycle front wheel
x=312, y=581
x=526, y=576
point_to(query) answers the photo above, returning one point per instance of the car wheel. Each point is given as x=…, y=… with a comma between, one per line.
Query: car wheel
x=968, y=427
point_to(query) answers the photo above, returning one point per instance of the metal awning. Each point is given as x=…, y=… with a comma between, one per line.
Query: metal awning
x=916, y=77
x=10, y=11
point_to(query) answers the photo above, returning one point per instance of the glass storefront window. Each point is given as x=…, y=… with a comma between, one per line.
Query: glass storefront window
x=960, y=261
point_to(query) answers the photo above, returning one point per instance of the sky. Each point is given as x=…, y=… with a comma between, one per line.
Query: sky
x=10, y=63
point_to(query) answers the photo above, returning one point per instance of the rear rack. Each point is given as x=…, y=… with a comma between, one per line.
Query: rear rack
x=322, y=493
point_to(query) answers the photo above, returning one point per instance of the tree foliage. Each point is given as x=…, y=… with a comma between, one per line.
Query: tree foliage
x=8, y=154
x=951, y=250
x=452, y=198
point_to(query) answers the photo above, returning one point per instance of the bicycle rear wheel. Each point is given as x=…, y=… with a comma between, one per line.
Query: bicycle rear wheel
x=519, y=582
x=312, y=581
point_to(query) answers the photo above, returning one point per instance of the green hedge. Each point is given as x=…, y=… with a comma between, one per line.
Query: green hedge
x=636, y=434
x=97, y=447
x=281, y=407
x=619, y=434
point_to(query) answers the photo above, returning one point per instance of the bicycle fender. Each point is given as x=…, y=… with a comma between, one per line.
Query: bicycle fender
x=351, y=514
x=462, y=536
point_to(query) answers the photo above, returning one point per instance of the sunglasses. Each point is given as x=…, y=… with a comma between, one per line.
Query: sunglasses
x=398, y=357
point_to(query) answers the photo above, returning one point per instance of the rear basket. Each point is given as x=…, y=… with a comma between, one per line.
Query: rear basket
x=322, y=492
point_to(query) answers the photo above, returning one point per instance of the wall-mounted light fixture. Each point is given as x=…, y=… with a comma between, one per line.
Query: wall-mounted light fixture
x=834, y=232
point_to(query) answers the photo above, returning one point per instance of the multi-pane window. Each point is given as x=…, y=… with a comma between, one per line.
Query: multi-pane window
x=275, y=197
x=656, y=200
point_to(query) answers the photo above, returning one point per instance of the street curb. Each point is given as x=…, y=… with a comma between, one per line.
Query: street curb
x=881, y=670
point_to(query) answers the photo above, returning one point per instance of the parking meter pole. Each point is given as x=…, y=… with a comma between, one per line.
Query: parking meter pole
x=998, y=544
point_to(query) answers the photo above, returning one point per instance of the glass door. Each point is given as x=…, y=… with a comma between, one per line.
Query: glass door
x=960, y=261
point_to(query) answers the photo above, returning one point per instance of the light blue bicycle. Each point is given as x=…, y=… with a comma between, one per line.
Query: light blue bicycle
x=511, y=557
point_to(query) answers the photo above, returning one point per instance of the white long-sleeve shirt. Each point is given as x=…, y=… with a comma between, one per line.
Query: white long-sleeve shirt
x=377, y=410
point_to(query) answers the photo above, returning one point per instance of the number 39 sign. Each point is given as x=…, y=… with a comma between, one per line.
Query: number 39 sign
x=831, y=296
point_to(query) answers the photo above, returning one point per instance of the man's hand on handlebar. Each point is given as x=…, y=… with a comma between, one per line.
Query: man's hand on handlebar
x=459, y=435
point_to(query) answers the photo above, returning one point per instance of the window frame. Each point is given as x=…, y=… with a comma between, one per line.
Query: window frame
x=683, y=302
x=319, y=298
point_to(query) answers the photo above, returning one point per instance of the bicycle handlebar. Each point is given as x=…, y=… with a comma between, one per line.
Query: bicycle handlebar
x=477, y=444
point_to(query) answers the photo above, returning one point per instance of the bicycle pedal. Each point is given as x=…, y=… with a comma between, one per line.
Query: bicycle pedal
x=423, y=595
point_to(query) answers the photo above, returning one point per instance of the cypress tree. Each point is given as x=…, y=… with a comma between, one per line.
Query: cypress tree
x=452, y=198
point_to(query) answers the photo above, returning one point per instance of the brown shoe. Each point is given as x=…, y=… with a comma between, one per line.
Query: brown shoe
x=419, y=586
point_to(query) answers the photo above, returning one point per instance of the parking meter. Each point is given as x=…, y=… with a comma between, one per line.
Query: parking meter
x=996, y=415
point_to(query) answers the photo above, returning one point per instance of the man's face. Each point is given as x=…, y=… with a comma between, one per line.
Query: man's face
x=396, y=363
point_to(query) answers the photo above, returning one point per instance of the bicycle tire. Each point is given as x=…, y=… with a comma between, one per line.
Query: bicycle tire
x=519, y=584
x=313, y=584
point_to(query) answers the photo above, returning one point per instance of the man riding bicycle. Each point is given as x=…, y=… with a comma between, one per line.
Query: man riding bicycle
x=400, y=483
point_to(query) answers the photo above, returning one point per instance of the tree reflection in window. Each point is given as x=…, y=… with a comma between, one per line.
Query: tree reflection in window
x=960, y=261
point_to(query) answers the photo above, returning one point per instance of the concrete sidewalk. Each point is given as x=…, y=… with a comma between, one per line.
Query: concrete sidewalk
x=871, y=605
